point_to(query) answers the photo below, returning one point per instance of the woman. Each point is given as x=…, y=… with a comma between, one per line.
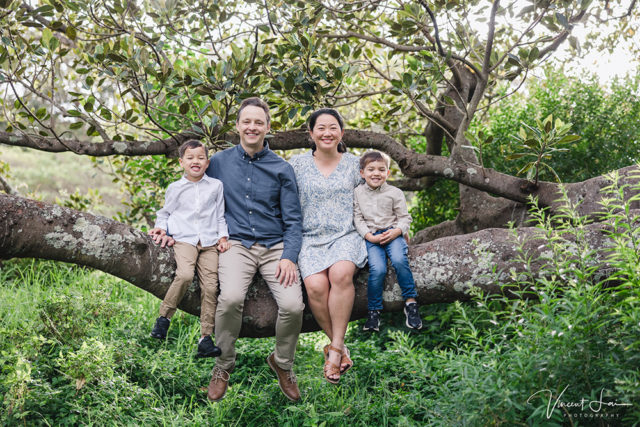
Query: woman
x=331, y=247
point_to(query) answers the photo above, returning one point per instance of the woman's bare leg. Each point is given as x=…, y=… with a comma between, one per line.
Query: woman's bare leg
x=340, y=302
x=317, y=286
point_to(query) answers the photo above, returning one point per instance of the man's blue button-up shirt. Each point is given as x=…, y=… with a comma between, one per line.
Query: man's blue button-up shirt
x=261, y=198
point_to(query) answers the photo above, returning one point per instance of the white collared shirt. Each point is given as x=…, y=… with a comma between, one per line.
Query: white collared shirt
x=194, y=211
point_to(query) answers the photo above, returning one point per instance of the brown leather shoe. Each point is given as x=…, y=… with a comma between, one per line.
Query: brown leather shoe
x=218, y=384
x=286, y=380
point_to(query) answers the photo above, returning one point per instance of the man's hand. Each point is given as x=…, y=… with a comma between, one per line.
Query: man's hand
x=373, y=238
x=286, y=272
x=160, y=236
x=390, y=235
x=223, y=245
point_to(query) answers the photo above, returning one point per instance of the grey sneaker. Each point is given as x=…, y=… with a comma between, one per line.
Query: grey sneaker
x=373, y=321
x=159, y=330
x=413, y=316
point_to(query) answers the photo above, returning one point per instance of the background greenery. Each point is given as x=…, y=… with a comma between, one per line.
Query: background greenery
x=605, y=116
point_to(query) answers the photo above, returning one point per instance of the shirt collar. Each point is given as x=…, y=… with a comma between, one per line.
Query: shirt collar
x=382, y=187
x=205, y=177
x=244, y=155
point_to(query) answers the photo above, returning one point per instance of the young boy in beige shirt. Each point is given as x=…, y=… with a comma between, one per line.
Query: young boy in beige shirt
x=381, y=217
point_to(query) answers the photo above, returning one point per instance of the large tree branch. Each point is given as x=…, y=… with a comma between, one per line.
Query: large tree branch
x=167, y=146
x=444, y=270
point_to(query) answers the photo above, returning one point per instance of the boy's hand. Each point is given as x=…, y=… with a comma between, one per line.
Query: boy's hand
x=160, y=236
x=286, y=272
x=390, y=235
x=223, y=245
x=370, y=237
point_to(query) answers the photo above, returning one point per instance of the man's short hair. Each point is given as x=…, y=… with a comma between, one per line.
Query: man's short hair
x=191, y=144
x=256, y=102
x=374, y=156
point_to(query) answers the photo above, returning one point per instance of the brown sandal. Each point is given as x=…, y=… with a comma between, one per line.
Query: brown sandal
x=346, y=360
x=331, y=369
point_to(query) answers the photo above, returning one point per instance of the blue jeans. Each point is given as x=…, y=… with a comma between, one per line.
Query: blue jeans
x=397, y=251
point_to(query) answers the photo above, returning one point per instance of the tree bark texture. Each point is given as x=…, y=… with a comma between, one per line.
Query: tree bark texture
x=444, y=269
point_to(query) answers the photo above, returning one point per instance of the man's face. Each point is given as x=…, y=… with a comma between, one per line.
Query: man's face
x=252, y=126
x=375, y=173
x=194, y=162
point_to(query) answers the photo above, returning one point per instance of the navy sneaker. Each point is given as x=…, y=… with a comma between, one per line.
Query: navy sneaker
x=413, y=316
x=206, y=348
x=160, y=328
x=373, y=321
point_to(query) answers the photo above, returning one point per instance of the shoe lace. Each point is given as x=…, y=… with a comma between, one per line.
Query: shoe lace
x=292, y=377
x=373, y=315
x=219, y=374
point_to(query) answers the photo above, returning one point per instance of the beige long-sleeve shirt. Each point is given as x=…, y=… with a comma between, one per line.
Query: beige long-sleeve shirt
x=379, y=208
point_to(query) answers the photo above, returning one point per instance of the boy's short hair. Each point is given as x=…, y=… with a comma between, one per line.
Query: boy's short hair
x=191, y=144
x=256, y=102
x=374, y=156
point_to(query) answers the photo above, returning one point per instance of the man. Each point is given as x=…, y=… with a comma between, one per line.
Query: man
x=265, y=234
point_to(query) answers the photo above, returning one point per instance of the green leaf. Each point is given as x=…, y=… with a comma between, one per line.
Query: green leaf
x=41, y=112
x=54, y=43
x=289, y=83
x=76, y=125
x=407, y=79
x=335, y=53
x=46, y=37
x=184, y=108
x=568, y=138
x=562, y=20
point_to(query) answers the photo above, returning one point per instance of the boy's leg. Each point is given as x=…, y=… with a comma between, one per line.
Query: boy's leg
x=398, y=250
x=185, y=256
x=290, y=306
x=207, y=268
x=377, y=273
x=236, y=268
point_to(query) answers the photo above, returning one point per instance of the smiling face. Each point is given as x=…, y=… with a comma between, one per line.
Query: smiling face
x=326, y=133
x=195, y=163
x=252, y=125
x=375, y=173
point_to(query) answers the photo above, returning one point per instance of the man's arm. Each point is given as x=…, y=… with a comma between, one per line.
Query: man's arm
x=287, y=272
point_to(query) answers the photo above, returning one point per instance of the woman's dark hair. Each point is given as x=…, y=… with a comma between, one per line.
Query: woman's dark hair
x=342, y=148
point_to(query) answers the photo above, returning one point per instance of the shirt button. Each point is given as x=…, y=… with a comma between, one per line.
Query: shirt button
x=248, y=179
x=253, y=229
x=247, y=196
x=250, y=212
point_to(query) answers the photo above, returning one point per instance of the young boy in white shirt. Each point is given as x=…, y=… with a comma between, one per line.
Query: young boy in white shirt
x=193, y=214
x=382, y=218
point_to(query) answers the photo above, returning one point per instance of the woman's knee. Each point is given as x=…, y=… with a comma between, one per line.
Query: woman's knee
x=316, y=287
x=342, y=275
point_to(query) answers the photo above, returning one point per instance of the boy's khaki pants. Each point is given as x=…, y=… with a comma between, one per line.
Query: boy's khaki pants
x=205, y=260
x=237, y=267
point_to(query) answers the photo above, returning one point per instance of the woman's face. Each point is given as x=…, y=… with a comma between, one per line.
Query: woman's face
x=327, y=133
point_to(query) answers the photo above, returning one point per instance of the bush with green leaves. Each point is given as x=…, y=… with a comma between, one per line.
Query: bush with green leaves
x=605, y=117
